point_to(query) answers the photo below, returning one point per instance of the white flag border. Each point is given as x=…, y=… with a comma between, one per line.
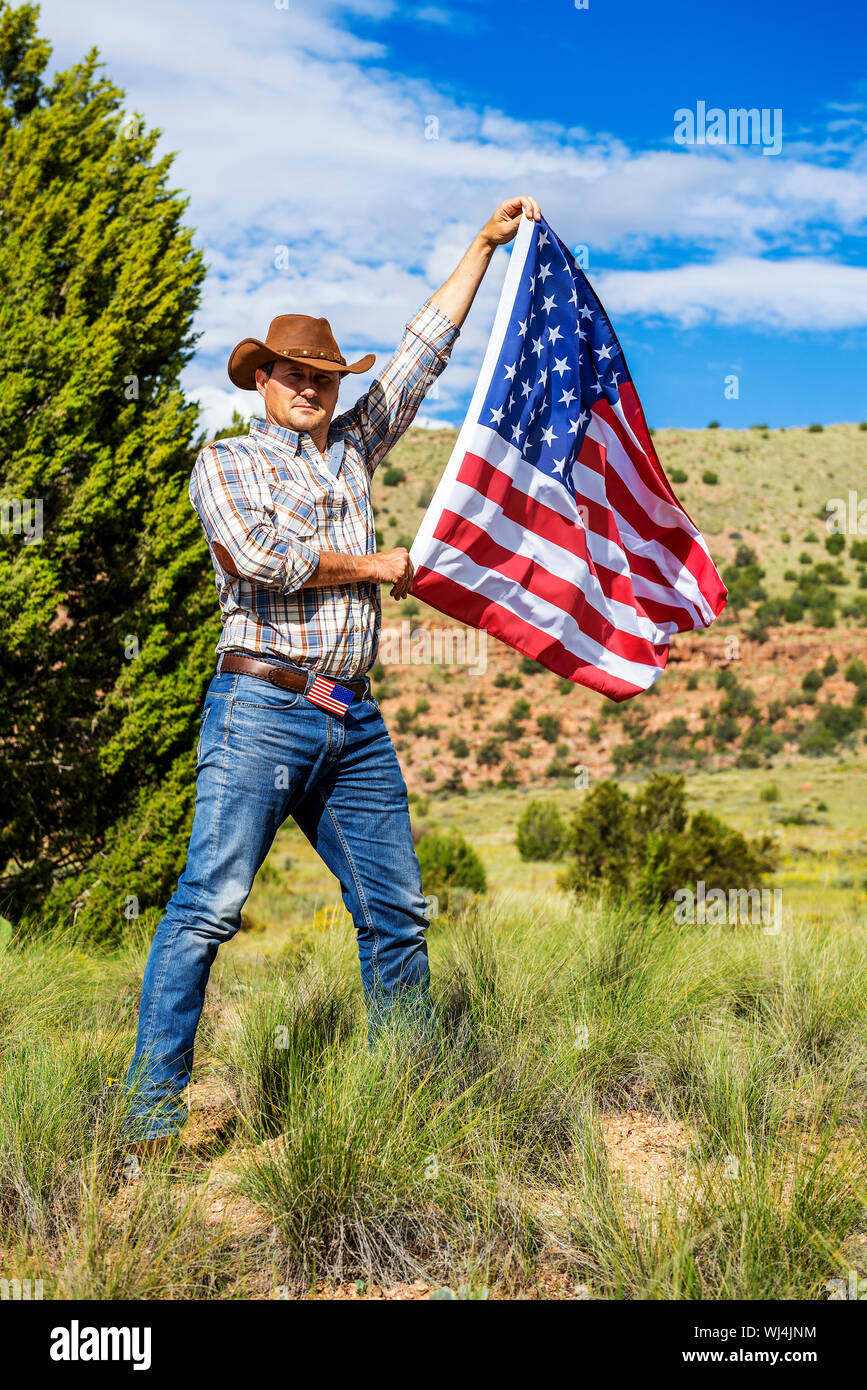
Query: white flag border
x=520, y=248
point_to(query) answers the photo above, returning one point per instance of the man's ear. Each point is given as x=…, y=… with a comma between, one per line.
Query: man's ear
x=262, y=379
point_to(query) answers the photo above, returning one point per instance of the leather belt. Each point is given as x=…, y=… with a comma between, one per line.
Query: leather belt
x=279, y=675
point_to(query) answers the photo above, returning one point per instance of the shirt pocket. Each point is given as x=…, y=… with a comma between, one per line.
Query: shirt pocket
x=293, y=504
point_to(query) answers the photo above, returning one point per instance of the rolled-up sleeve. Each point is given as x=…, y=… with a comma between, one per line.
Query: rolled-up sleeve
x=241, y=535
x=385, y=411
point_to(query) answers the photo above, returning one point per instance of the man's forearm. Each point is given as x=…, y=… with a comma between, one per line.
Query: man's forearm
x=382, y=567
x=457, y=294
x=335, y=568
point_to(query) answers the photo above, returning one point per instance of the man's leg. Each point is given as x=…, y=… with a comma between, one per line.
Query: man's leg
x=357, y=818
x=250, y=769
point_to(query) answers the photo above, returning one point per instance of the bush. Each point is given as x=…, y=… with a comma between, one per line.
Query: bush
x=490, y=752
x=449, y=863
x=459, y=746
x=649, y=848
x=815, y=429
x=835, y=544
x=678, y=475
x=392, y=476
x=549, y=727
x=813, y=680
x=709, y=477
x=856, y=673
x=833, y=725
x=540, y=833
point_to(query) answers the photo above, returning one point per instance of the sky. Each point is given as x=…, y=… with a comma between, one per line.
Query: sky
x=339, y=156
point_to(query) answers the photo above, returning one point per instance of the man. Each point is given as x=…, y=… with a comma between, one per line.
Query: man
x=289, y=726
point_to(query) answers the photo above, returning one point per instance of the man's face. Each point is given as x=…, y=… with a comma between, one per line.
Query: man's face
x=298, y=398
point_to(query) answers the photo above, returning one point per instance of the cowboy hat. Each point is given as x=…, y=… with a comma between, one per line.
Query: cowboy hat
x=298, y=338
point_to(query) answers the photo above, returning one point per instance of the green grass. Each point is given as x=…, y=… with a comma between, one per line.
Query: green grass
x=476, y=1158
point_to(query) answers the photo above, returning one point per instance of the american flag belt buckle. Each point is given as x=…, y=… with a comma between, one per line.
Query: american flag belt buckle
x=330, y=696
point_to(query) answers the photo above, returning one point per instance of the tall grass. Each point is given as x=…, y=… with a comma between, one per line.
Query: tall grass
x=470, y=1154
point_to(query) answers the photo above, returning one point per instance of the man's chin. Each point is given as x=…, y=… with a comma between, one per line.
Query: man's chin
x=304, y=419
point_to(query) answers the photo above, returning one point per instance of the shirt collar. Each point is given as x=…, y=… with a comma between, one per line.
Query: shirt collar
x=273, y=434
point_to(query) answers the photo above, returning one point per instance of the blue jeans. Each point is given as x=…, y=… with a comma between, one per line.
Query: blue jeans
x=265, y=753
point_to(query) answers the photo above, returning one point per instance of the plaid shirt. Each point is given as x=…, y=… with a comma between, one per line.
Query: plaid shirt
x=273, y=502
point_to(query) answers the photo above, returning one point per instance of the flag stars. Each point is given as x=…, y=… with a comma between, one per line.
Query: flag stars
x=554, y=333
x=549, y=436
x=548, y=303
x=561, y=365
x=567, y=397
x=497, y=415
x=585, y=313
x=537, y=345
x=516, y=433
x=544, y=272
x=526, y=388
x=510, y=371
x=604, y=353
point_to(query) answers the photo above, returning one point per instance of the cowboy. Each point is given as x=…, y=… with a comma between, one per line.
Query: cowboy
x=289, y=726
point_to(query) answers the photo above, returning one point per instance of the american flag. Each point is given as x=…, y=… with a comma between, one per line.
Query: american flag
x=329, y=695
x=554, y=527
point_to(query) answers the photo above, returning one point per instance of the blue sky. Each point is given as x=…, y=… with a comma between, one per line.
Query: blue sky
x=303, y=138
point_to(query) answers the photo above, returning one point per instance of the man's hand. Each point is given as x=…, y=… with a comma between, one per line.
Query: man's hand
x=456, y=295
x=503, y=226
x=394, y=567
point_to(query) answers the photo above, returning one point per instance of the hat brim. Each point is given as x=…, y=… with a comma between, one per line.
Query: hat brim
x=252, y=353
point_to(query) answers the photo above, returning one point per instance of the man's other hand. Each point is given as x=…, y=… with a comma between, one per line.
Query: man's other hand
x=395, y=567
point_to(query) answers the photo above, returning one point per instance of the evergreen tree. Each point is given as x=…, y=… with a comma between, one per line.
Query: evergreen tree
x=108, y=622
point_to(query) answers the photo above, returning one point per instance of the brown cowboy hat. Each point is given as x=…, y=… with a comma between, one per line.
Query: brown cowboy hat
x=298, y=338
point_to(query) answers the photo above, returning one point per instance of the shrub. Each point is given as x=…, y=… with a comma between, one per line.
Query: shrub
x=540, y=832
x=815, y=429
x=549, y=727
x=678, y=475
x=448, y=862
x=490, y=752
x=709, y=477
x=459, y=746
x=856, y=672
x=813, y=680
x=649, y=847
x=835, y=544
x=392, y=476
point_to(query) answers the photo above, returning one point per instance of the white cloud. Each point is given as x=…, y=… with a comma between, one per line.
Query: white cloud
x=291, y=130
x=794, y=294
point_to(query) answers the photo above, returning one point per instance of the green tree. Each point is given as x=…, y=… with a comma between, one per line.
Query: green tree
x=540, y=831
x=448, y=864
x=109, y=621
